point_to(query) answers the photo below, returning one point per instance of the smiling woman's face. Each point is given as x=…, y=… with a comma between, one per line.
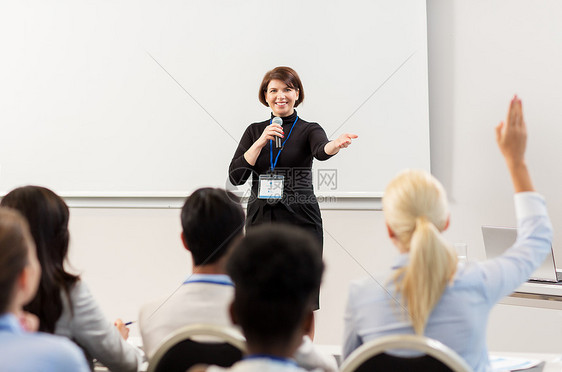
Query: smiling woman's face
x=281, y=98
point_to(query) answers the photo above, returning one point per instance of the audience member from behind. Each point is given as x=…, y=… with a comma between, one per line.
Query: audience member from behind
x=276, y=272
x=431, y=293
x=19, y=278
x=63, y=302
x=211, y=220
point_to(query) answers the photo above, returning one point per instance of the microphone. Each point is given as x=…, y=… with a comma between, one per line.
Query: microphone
x=277, y=120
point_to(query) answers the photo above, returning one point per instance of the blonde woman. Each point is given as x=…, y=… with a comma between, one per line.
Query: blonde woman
x=428, y=292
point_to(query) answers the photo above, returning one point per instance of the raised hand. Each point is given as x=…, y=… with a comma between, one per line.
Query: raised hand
x=511, y=137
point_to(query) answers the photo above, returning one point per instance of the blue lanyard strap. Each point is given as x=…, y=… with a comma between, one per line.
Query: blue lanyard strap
x=273, y=165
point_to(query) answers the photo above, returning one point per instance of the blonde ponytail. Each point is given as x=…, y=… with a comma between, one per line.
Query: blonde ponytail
x=415, y=209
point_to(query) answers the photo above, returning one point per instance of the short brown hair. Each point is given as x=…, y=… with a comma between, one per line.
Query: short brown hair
x=286, y=75
x=15, y=242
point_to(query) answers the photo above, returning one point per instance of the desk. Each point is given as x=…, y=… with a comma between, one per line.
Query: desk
x=534, y=294
x=553, y=361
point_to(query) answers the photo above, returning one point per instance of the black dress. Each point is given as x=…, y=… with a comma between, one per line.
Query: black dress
x=298, y=206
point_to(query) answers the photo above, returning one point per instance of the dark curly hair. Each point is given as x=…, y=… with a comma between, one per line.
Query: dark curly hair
x=276, y=271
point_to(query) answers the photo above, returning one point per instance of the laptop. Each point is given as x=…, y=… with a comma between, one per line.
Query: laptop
x=498, y=239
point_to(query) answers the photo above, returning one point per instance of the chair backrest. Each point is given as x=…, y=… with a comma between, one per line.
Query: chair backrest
x=181, y=351
x=436, y=357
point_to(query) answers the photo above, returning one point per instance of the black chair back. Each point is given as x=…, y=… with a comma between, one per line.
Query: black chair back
x=209, y=344
x=387, y=362
x=434, y=356
x=188, y=353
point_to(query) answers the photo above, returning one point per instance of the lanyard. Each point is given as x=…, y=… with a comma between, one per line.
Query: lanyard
x=282, y=146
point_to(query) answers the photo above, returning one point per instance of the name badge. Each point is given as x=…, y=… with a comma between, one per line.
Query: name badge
x=270, y=186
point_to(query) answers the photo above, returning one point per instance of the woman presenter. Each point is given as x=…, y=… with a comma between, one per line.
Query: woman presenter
x=282, y=176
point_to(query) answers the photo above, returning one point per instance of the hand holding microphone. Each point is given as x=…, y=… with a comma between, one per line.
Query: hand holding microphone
x=278, y=140
x=273, y=132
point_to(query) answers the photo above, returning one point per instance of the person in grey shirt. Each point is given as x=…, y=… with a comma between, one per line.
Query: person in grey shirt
x=63, y=302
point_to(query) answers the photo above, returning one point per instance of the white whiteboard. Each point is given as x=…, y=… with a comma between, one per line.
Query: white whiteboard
x=149, y=98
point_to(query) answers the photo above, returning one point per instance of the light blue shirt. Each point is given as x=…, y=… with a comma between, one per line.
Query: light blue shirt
x=459, y=319
x=261, y=364
x=22, y=351
x=220, y=279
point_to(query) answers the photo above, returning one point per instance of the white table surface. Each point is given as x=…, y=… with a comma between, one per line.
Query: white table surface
x=553, y=361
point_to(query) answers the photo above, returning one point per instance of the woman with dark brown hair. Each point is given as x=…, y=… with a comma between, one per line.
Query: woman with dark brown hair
x=282, y=177
x=63, y=303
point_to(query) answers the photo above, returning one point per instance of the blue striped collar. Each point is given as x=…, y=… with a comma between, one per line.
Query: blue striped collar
x=219, y=279
x=272, y=358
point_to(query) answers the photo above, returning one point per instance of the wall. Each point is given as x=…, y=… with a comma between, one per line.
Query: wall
x=130, y=255
x=156, y=85
x=480, y=53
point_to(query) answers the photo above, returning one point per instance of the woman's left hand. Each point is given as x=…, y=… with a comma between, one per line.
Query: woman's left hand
x=341, y=142
x=344, y=140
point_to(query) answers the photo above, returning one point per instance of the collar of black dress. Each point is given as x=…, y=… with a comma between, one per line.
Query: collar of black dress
x=288, y=119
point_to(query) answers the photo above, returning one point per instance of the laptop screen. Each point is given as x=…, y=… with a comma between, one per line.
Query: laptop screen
x=498, y=239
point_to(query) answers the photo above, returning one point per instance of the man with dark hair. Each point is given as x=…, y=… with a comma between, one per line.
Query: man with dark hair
x=276, y=271
x=211, y=220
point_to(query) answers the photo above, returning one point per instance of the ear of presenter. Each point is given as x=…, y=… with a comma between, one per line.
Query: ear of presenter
x=282, y=190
